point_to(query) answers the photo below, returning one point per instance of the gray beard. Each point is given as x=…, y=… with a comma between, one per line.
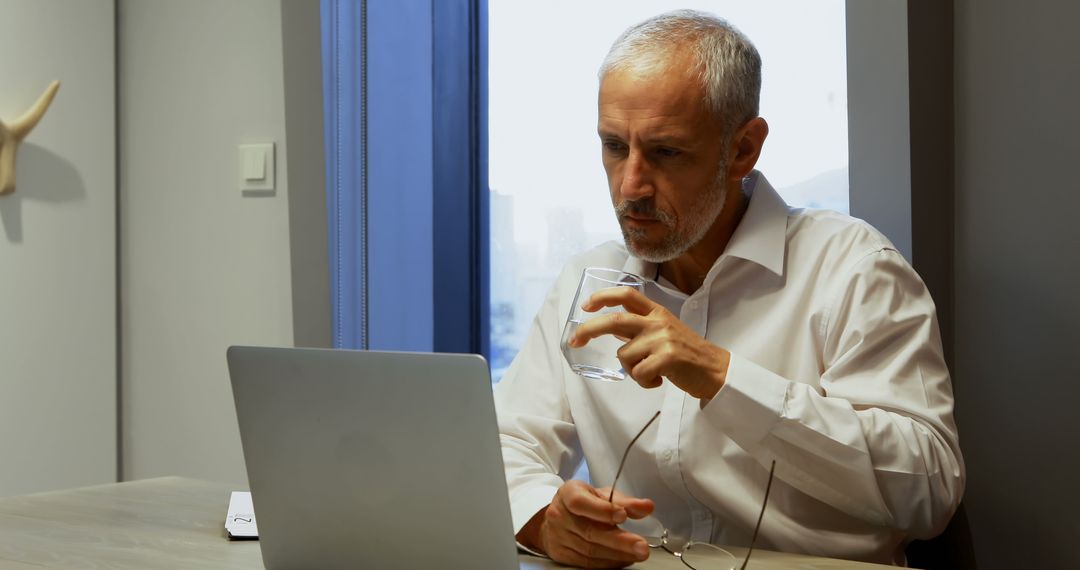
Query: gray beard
x=678, y=240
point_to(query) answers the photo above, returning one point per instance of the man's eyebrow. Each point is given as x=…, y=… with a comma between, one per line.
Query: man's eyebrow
x=606, y=133
x=660, y=138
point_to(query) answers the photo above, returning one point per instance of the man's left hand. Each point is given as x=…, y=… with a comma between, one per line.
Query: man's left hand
x=657, y=345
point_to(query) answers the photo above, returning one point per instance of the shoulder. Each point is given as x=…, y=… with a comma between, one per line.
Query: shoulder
x=831, y=239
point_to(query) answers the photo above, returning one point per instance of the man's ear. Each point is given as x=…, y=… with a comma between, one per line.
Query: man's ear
x=746, y=146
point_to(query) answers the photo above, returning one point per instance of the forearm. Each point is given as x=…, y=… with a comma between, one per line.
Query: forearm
x=898, y=467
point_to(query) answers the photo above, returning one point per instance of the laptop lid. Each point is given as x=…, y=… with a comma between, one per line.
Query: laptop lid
x=372, y=459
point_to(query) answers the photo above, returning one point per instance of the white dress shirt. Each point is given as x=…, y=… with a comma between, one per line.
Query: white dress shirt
x=836, y=373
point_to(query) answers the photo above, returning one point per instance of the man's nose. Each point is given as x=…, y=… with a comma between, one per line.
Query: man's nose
x=637, y=180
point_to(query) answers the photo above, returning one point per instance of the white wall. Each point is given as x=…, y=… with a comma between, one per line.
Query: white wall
x=203, y=266
x=57, y=250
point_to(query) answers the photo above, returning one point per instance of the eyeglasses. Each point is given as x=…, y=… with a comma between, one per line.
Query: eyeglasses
x=696, y=555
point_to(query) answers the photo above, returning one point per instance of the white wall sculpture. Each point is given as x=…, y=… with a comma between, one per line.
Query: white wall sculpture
x=13, y=134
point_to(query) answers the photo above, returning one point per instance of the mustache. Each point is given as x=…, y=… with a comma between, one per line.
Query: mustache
x=645, y=208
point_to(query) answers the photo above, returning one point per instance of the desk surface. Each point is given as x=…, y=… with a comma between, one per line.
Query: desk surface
x=178, y=523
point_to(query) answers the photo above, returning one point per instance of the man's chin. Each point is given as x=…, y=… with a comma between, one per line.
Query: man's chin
x=652, y=253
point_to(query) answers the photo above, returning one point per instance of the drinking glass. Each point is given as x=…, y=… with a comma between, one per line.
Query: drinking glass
x=597, y=359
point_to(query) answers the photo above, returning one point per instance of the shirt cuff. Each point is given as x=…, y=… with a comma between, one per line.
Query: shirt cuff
x=528, y=502
x=524, y=548
x=749, y=404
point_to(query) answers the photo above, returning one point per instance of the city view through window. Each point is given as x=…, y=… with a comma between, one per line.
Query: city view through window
x=548, y=193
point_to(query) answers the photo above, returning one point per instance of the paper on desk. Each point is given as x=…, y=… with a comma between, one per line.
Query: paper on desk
x=240, y=522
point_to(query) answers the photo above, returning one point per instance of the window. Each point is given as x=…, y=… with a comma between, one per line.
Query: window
x=548, y=193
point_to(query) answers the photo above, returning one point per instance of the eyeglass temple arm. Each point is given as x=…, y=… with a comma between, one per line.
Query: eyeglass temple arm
x=761, y=515
x=626, y=454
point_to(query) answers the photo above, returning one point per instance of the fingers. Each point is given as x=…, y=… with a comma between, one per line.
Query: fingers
x=581, y=499
x=579, y=529
x=629, y=298
x=650, y=383
x=643, y=362
x=603, y=547
x=635, y=508
x=571, y=557
x=648, y=372
x=623, y=325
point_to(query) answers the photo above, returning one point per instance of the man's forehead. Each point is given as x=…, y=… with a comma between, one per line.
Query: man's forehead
x=662, y=100
x=668, y=87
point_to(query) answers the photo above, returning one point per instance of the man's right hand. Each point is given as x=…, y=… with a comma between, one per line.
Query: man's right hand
x=579, y=528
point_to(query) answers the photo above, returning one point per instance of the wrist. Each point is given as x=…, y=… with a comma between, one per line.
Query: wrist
x=718, y=376
x=529, y=535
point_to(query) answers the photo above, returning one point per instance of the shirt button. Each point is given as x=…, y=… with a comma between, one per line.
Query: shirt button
x=667, y=454
x=694, y=304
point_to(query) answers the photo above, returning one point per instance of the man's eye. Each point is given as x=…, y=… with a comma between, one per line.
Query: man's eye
x=668, y=152
x=614, y=146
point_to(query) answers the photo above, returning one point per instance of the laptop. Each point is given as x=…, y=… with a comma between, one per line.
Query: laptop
x=360, y=459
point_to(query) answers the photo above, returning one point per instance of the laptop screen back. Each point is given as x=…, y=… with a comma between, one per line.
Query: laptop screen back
x=372, y=459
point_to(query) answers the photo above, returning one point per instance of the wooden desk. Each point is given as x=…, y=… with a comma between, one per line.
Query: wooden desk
x=178, y=523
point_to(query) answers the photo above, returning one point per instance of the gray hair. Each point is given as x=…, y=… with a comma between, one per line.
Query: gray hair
x=725, y=61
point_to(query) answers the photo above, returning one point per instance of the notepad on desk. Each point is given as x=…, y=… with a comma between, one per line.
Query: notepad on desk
x=240, y=521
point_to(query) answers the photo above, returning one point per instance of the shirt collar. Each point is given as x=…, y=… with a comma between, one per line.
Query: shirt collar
x=762, y=233
x=761, y=237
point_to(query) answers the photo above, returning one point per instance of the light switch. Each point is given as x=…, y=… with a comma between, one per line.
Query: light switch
x=254, y=165
x=257, y=166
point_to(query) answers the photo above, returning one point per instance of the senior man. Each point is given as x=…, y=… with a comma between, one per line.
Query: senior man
x=764, y=333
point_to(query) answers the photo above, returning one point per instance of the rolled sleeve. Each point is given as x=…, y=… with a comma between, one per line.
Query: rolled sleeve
x=750, y=404
x=529, y=501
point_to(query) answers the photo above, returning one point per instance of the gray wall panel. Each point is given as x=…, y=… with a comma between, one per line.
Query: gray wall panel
x=204, y=266
x=1017, y=277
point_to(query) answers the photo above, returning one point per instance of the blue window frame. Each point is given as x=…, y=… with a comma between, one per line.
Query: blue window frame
x=404, y=86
